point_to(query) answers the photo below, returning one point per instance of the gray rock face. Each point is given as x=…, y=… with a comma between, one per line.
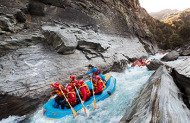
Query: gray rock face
x=63, y=42
x=11, y=43
x=181, y=74
x=173, y=55
x=154, y=64
x=159, y=101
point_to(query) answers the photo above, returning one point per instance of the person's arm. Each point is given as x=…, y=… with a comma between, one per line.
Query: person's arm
x=92, y=70
x=71, y=97
x=54, y=92
x=63, y=89
x=83, y=90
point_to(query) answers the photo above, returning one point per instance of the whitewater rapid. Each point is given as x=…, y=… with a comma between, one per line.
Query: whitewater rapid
x=110, y=110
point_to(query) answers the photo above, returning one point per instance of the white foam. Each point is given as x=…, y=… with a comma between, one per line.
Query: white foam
x=13, y=119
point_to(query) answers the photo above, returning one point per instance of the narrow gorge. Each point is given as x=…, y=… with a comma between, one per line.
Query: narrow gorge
x=44, y=41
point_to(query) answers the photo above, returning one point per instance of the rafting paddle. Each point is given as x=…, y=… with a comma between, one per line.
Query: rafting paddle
x=74, y=112
x=81, y=100
x=93, y=95
x=108, y=75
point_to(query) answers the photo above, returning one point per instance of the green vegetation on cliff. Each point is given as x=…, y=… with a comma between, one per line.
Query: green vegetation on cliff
x=173, y=31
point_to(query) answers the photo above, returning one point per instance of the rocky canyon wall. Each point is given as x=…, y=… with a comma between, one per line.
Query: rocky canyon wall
x=43, y=41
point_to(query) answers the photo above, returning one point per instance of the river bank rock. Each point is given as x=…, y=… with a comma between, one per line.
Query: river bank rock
x=154, y=64
x=181, y=74
x=171, y=56
x=159, y=101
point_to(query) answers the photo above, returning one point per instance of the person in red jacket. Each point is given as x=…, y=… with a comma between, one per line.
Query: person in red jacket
x=98, y=85
x=57, y=91
x=73, y=82
x=84, y=91
x=71, y=98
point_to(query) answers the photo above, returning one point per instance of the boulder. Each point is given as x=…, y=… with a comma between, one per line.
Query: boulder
x=63, y=42
x=171, y=56
x=21, y=17
x=186, y=52
x=160, y=101
x=154, y=64
x=36, y=9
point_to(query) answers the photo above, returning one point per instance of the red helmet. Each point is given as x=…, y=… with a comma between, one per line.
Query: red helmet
x=97, y=77
x=69, y=88
x=140, y=59
x=56, y=85
x=80, y=82
x=72, y=77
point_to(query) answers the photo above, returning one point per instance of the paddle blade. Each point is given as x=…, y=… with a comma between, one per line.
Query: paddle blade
x=84, y=110
x=74, y=112
x=95, y=105
x=108, y=75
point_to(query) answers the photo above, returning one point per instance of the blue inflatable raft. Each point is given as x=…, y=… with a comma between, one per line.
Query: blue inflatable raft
x=56, y=113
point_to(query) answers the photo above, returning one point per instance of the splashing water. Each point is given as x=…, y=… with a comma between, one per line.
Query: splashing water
x=13, y=119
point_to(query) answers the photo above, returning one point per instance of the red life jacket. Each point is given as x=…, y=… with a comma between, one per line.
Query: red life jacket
x=87, y=90
x=72, y=102
x=59, y=93
x=97, y=72
x=96, y=86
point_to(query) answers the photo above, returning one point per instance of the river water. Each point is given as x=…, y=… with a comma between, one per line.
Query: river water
x=110, y=110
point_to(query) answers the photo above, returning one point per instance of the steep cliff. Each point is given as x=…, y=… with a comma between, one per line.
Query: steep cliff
x=45, y=41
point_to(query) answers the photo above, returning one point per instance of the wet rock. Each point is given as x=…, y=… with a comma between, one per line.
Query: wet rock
x=154, y=64
x=119, y=66
x=63, y=42
x=36, y=9
x=21, y=17
x=159, y=101
x=12, y=105
x=181, y=74
x=173, y=55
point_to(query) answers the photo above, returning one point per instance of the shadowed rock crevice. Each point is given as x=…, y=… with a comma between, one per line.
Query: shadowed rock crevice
x=183, y=84
x=91, y=49
x=12, y=105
